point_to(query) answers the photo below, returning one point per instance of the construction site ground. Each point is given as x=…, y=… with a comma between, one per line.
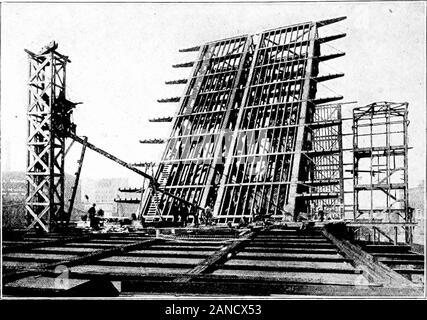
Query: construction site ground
x=274, y=261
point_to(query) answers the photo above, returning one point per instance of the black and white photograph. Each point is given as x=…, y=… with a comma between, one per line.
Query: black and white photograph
x=213, y=150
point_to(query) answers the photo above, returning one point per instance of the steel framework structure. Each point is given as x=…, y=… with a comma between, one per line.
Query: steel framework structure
x=198, y=126
x=325, y=186
x=247, y=138
x=45, y=141
x=380, y=170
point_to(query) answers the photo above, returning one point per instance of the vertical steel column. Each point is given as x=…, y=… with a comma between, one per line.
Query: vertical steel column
x=408, y=230
x=235, y=132
x=301, y=123
x=355, y=168
x=231, y=102
x=341, y=159
x=371, y=137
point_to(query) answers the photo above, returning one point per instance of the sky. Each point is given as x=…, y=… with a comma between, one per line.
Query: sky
x=122, y=53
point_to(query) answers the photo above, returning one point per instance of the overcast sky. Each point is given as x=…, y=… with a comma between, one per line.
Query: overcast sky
x=122, y=53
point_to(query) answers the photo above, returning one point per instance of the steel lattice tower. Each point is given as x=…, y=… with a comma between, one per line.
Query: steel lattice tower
x=45, y=143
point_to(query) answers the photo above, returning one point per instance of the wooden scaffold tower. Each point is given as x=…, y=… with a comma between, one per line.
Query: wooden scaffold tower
x=46, y=140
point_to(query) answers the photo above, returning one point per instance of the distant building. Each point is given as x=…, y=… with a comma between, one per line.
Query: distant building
x=14, y=186
x=416, y=200
x=102, y=192
x=14, y=192
x=128, y=202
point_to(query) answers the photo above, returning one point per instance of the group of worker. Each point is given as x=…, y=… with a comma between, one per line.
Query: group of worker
x=180, y=215
x=321, y=216
x=95, y=217
x=183, y=211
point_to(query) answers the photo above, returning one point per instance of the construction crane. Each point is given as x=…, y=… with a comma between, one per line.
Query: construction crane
x=50, y=124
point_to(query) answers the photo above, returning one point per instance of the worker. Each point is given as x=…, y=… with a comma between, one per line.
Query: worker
x=263, y=214
x=256, y=214
x=161, y=206
x=92, y=218
x=135, y=222
x=321, y=214
x=410, y=215
x=184, y=215
x=195, y=214
x=208, y=215
x=244, y=221
x=100, y=213
x=100, y=218
x=176, y=211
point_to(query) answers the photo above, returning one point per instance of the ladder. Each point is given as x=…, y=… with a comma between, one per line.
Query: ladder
x=153, y=209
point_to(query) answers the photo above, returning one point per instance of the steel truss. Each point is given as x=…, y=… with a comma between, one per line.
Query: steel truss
x=244, y=138
x=46, y=139
x=380, y=171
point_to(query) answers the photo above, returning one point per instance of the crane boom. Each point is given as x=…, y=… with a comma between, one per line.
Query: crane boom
x=153, y=181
